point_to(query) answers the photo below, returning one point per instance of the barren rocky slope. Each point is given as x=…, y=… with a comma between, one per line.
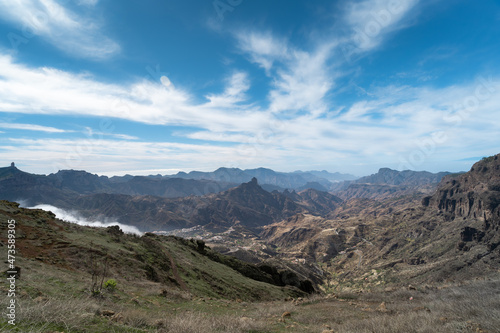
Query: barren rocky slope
x=453, y=234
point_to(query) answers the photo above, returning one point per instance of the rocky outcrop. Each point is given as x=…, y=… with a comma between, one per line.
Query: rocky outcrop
x=474, y=197
x=475, y=194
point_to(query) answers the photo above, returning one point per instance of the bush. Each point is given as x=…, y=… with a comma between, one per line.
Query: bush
x=110, y=284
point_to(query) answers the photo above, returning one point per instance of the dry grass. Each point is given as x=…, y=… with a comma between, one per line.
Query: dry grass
x=196, y=322
x=472, y=307
x=69, y=314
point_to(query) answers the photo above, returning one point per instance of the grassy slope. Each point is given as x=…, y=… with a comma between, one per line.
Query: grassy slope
x=157, y=274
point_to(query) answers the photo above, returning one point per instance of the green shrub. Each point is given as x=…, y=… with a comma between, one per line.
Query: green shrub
x=110, y=284
x=488, y=159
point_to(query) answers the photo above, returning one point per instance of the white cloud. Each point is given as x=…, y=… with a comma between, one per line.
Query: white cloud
x=31, y=127
x=111, y=156
x=388, y=125
x=50, y=91
x=74, y=217
x=263, y=48
x=396, y=123
x=303, y=84
x=371, y=20
x=234, y=93
x=300, y=79
x=300, y=125
x=91, y=133
x=76, y=35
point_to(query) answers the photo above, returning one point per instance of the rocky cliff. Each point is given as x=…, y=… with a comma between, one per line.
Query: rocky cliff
x=474, y=194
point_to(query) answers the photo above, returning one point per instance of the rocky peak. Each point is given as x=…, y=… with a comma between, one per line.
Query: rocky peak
x=79, y=180
x=474, y=194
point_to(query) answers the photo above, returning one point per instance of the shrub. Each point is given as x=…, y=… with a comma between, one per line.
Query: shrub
x=110, y=284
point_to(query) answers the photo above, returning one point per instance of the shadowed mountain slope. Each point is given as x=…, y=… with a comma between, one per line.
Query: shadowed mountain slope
x=67, y=185
x=387, y=183
x=247, y=205
x=285, y=180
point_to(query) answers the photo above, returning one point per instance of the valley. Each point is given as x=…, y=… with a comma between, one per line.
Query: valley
x=238, y=258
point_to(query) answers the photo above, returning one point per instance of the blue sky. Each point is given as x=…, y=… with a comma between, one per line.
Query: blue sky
x=116, y=87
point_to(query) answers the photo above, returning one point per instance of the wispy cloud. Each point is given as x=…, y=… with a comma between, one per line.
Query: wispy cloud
x=303, y=78
x=300, y=79
x=106, y=155
x=441, y=53
x=91, y=133
x=74, y=34
x=50, y=91
x=372, y=20
x=263, y=48
x=32, y=127
x=234, y=93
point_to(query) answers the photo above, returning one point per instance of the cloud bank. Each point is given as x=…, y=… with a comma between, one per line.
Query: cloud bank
x=73, y=217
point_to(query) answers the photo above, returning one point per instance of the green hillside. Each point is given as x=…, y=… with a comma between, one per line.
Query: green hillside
x=65, y=267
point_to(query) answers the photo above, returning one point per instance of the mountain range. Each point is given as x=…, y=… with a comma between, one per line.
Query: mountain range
x=451, y=234
x=285, y=180
x=211, y=199
x=310, y=224
x=247, y=205
x=389, y=183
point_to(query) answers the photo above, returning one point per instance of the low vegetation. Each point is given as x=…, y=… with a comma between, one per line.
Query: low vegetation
x=471, y=307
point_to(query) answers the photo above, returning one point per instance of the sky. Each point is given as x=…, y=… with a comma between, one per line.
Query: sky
x=159, y=86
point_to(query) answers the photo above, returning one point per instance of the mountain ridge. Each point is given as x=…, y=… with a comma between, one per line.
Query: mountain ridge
x=248, y=205
x=388, y=183
x=290, y=180
x=452, y=234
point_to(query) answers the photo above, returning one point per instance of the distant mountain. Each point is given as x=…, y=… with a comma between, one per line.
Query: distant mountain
x=332, y=177
x=66, y=185
x=163, y=203
x=407, y=177
x=285, y=180
x=313, y=185
x=247, y=205
x=250, y=205
x=319, y=202
x=388, y=183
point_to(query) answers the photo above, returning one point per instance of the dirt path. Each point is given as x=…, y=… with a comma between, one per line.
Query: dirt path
x=177, y=277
